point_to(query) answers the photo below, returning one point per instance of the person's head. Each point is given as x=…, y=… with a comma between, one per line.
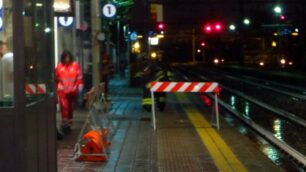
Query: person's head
x=3, y=48
x=66, y=57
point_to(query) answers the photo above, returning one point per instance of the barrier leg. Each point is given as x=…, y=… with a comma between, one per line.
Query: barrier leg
x=153, y=110
x=217, y=111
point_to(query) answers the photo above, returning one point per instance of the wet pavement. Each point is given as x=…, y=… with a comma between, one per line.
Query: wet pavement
x=175, y=146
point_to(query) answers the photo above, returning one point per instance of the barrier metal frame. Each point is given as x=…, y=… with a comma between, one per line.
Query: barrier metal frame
x=215, y=100
x=97, y=104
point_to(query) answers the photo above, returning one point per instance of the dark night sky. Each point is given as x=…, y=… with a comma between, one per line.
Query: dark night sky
x=194, y=12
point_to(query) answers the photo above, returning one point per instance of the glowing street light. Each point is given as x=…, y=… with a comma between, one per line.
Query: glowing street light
x=278, y=10
x=232, y=27
x=247, y=21
x=283, y=61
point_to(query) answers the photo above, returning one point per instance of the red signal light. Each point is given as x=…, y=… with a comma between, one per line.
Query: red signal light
x=161, y=26
x=282, y=17
x=218, y=27
x=208, y=28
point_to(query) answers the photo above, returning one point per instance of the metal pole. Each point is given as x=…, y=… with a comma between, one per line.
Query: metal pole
x=56, y=41
x=217, y=111
x=193, y=45
x=153, y=110
x=118, y=46
x=96, y=27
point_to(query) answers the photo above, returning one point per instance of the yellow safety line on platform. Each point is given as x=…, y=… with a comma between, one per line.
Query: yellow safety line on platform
x=221, y=153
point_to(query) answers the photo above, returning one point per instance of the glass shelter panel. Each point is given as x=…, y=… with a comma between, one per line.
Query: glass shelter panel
x=38, y=50
x=6, y=54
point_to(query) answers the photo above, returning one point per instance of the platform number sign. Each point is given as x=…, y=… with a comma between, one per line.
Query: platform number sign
x=65, y=21
x=109, y=10
x=1, y=15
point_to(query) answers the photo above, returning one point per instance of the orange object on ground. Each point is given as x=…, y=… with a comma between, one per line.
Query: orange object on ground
x=96, y=144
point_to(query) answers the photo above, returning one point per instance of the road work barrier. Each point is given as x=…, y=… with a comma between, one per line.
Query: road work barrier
x=185, y=87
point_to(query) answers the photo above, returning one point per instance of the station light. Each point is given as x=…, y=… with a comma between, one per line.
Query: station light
x=290, y=63
x=261, y=63
x=136, y=47
x=198, y=51
x=153, y=55
x=216, y=61
x=278, y=10
x=274, y=44
x=296, y=30
x=295, y=34
x=247, y=21
x=283, y=61
x=232, y=27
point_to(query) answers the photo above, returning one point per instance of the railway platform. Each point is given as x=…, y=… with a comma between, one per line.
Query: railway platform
x=184, y=140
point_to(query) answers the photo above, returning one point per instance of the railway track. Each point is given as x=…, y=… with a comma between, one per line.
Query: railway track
x=262, y=118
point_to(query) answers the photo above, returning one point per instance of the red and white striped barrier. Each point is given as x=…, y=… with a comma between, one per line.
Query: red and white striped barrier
x=32, y=89
x=195, y=87
x=185, y=87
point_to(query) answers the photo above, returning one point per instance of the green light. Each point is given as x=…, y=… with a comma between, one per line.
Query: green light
x=278, y=9
x=247, y=21
x=232, y=27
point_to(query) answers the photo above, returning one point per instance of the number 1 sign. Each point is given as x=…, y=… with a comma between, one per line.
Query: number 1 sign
x=109, y=10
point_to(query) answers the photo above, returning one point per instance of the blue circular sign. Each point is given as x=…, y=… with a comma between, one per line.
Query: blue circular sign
x=134, y=36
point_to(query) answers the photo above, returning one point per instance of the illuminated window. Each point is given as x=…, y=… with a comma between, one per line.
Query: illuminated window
x=6, y=54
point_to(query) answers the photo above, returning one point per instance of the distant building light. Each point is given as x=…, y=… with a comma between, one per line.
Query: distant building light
x=216, y=61
x=290, y=63
x=296, y=30
x=275, y=34
x=274, y=44
x=162, y=32
x=295, y=34
x=261, y=63
x=139, y=36
x=199, y=51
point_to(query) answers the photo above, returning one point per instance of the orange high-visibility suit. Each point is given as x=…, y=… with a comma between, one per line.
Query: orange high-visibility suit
x=69, y=81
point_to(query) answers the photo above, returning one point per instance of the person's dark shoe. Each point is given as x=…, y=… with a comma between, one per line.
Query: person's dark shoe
x=59, y=135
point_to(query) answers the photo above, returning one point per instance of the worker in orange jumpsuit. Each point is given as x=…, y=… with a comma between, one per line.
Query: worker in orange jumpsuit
x=69, y=82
